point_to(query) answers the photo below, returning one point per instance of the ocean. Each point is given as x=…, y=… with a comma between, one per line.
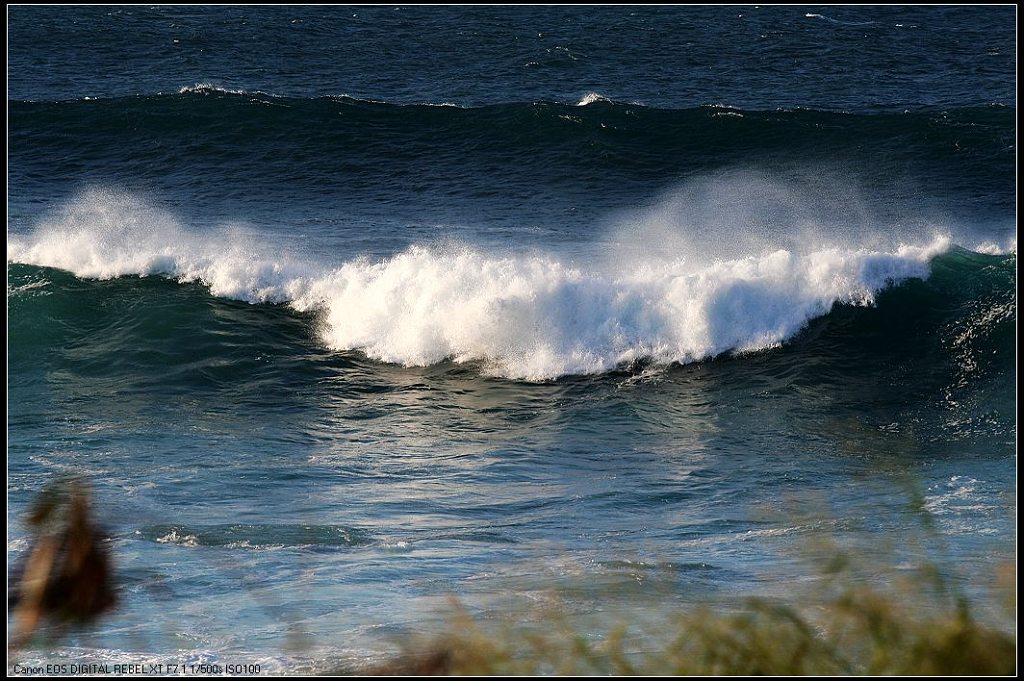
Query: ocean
x=345, y=312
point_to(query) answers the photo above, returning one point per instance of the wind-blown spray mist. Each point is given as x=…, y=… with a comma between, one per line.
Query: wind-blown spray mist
x=530, y=317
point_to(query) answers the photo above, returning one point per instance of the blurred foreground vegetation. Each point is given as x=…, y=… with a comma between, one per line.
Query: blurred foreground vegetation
x=66, y=578
x=857, y=614
x=917, y=622
x=861, y=631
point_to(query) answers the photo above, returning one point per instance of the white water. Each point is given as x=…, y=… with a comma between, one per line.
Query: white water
x=530, y=317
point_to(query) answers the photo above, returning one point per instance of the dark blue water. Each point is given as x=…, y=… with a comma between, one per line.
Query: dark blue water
x=343, y=311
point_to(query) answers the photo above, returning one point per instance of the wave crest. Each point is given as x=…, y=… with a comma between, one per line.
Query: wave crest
x=591, y=98
x=208, y=89
x=532, y=317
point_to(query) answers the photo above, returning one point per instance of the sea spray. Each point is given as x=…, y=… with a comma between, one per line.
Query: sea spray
x=530, y=317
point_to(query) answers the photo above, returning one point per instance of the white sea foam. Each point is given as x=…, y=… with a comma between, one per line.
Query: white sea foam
x=208, y=88
x=592, y=97
x=347, y=98
x=811, y=15
x=995, y=248
x=530, y=317
x=173, y=537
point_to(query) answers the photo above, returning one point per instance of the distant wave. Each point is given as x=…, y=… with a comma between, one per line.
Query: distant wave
x=210, y=90
x=590, y=98
x=239, y=117
x=530, y=317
